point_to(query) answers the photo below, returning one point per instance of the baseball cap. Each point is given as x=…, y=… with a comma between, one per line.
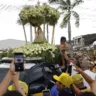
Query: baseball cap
x=23, y=85
x=77, y=78
x=92, y=63
x=64, y=79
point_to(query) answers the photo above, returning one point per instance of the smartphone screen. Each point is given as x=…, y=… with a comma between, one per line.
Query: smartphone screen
x=46, y=92
x=19, y=61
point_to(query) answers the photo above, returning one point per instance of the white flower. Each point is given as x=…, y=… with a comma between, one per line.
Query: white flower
x=39, y=51
x=53, y=55
x=35, y=49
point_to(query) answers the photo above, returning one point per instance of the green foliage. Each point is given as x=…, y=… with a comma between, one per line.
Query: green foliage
x=6, y=53
x=10, y=53
x=38, y=42
x=44, y=50
x=67, y=8
x=37, y=15
x=3, y=53
x=49, y=58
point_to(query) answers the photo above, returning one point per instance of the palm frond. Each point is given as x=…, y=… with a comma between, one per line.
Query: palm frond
x=68, y=2
x=65, y=5
x=59, y=2
x=65, y=20
x=76, y=2
x=62, y=7
x=62, y=2
x=76, y=16
x=53, y=1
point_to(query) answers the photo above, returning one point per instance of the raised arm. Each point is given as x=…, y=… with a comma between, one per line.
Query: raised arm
x=15, y=79
x=90, y=81
x=67, y=58
x=76, y=90
x=6, y=81
x=4, y=84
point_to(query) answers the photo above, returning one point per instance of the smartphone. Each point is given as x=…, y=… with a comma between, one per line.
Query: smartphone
x=69, y=69
x=46, y=92
x=19, y=61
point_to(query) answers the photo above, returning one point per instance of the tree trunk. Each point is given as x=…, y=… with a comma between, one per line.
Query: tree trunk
x=31, y=33
x=69, y=31
x=69, y=36
x=47, y=33
x=53, y=34
x=25, y=34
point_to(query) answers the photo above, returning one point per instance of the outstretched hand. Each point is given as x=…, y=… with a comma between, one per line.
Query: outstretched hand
x=15, y=75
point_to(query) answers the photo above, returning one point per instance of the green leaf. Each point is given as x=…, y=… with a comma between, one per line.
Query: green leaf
x=68, y=2
x=65, y=20
x=76, y=2
x=52, y=1
x=76, y=16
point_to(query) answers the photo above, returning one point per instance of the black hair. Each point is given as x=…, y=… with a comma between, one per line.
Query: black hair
x=87, y=94
x=63, y=39
x=12, y=93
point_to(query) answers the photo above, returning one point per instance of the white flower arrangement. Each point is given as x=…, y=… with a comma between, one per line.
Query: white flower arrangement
x=38, y=50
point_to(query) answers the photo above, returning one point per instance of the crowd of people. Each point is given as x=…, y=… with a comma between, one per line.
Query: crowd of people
x=78, y=77
x=78, y=74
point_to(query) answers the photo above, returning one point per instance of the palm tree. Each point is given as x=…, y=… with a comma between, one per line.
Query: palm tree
x=67, y=10
x=21, y=23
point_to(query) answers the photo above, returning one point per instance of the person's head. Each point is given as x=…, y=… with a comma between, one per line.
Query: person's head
x=87, y=94
x=23, y=85
x=58, y=85
x=73, y=60
x=78, y=80
x=62, y=40
x=85, y=65
x=12, y=93
x=91, y=65
x=64, y=80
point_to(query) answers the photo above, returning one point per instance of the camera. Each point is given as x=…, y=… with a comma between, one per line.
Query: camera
x=19, y=61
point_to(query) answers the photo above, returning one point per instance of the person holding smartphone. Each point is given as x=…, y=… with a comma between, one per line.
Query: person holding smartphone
x=90, y=81
x=11, y=76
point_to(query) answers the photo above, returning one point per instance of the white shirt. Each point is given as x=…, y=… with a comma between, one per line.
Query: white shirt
x=91, y=74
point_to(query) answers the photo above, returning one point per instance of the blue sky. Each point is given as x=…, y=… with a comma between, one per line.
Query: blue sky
x=9, y=29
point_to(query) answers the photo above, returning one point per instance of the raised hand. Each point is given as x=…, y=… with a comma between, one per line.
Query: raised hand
x=12, y=68
x=77, y=69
